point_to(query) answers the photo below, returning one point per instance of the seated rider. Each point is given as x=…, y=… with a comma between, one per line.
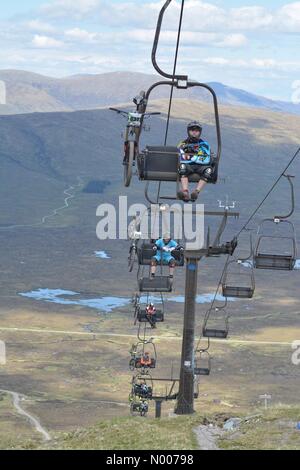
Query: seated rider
x=164, y=248
x=151, y=315
x=146, y=359
x=194, y=153
x=150, y=310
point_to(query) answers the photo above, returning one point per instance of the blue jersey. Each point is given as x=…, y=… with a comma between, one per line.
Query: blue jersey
x=195, y=152
x=161, y=244
x=165, y=255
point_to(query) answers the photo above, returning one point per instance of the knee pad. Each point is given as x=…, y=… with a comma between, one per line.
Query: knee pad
x=172, y=263
x=183, y=171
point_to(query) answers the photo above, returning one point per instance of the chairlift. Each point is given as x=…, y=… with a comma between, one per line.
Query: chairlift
x=202, y=365
x=139, y=407
x=217, y=333
x=238, y=280
x=143, y=316
x=142, y=387
x=143, y=355
x=281, y=233
x=161, y=163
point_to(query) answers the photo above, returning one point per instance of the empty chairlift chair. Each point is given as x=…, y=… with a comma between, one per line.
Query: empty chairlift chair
x=277, y=250
x=238, y=280
x=276, y=246
x=210, y=329
x=203, y=364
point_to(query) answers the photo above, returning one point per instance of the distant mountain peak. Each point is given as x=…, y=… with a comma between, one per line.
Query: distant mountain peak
x=29, y=92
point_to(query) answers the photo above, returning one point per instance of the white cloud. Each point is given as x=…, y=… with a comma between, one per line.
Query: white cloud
x=248, y=18
x=216, y=61
x=46, y=42
x=66, y=8
x=288, y=17
x=233, y=40
x=81, y=35
x=40, y=26
x=198, y=15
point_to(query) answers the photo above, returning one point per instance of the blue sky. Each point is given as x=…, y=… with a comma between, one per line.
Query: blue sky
x=250, y=45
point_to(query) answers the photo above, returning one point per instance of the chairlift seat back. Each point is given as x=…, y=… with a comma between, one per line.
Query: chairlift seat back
x=274, y=262
x=138, y=364
x=157, y=317
x=238, y=292
x=214, y=333
x=202, y=371
x=146, y=253
x=161, y=164
x=157, y=284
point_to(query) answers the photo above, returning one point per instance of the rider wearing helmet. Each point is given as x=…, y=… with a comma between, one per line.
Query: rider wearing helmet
x=164, y=248
x=146, y=360
x=150, y=309
x=194, y=153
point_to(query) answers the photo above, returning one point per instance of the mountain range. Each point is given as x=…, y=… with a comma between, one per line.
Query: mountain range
x=27, y=92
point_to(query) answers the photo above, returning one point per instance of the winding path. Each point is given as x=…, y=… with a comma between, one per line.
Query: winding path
x=34, y=421
x=69, y=195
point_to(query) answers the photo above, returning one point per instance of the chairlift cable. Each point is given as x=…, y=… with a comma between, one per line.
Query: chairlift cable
x=269, y=192
x=172, y=87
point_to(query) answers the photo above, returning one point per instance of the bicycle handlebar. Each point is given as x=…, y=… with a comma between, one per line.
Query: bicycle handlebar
x=126, y=113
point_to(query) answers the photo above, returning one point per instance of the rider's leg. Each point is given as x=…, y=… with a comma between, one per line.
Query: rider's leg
x=184, y=193
x=172, y=267
x=200, y=186
x=153, y=266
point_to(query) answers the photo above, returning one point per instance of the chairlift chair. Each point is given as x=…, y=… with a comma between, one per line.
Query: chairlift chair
x=137, y=386
x=217, y=333
x=203, y=364
x=146, y=253
x=238, y=280
x=137, y=352
x=283, y=259
x=143, y=317
x=161, y=163
x=139, y=407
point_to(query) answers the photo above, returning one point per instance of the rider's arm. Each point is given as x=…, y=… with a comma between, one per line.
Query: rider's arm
x=173, y=245
x=158, y=244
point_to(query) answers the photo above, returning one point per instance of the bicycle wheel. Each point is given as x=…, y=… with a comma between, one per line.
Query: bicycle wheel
x=128, y=163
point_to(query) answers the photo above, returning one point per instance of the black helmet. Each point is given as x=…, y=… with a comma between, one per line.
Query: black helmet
x=194, y=124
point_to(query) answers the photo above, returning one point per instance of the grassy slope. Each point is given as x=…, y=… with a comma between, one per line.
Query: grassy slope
x=274, y=429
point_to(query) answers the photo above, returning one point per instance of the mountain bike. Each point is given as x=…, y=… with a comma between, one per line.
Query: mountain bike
x=132, y=134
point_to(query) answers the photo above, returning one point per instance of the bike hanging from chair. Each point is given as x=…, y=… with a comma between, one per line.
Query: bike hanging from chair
x=132, y=134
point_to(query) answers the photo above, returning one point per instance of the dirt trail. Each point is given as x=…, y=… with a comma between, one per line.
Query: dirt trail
x=207, y=437
x=34, y=421
x=69, y=195
x=122, y=335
